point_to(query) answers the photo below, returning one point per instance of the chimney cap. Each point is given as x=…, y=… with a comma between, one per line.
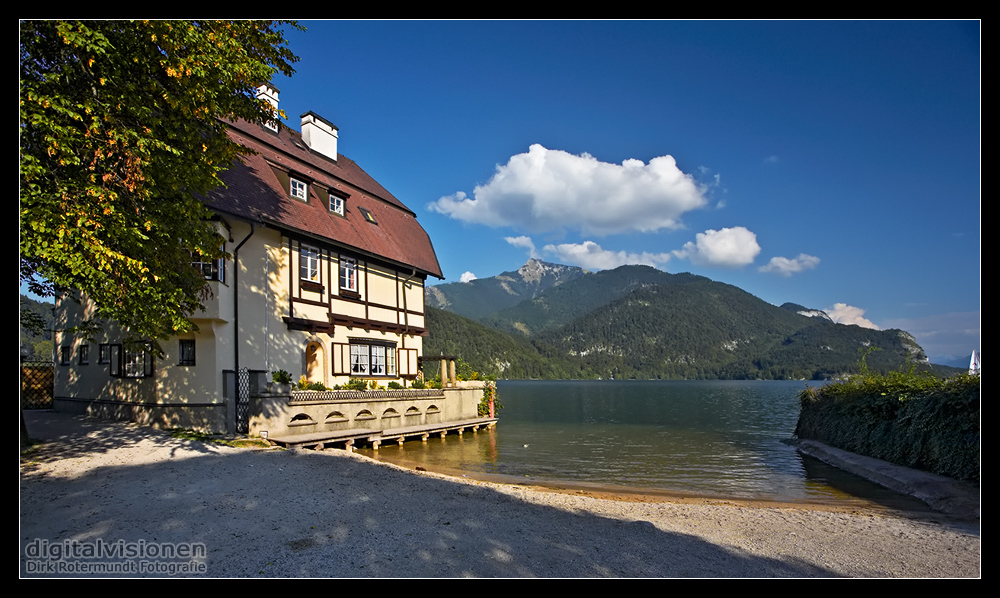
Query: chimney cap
x=305, y=116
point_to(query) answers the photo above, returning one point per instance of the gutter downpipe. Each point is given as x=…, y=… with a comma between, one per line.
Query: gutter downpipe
x=231, y=404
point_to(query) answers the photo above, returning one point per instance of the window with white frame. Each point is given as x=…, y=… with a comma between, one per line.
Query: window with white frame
x=349, y=274
x=373, y=359
x=209, y=268
x=297, y=189
x=84, y=354
x=359, y=360
x=64, y=355
x=130, y=362
x=136, y=363
x=337, y=204
x=309, y=263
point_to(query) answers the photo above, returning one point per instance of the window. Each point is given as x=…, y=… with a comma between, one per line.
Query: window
x=349, y=274
x=383, y=360
x=84, y=354
x=104, y=353
x=373, y=359
x=137, y=363
x=64, y=355
x=309, y=263
x=378, y=361
x=297, y=189
x=186, y=352
x=134, y=362
x=368, y=215
x=359, y=359
x=210, y=269
x=337, y=204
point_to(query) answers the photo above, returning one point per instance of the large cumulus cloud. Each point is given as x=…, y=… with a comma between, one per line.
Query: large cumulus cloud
x=547, y=190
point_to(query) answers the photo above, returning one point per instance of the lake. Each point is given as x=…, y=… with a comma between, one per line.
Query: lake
x=719, y=438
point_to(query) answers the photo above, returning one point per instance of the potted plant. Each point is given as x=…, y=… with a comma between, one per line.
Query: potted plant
x=281, y=382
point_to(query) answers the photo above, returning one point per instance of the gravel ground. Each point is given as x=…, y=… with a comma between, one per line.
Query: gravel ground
x=277, y=513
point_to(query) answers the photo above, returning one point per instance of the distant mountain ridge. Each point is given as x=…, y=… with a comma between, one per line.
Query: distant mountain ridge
x=483, y=296
x=552, y=321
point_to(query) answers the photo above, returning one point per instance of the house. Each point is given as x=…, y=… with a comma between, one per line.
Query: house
x=326, y=281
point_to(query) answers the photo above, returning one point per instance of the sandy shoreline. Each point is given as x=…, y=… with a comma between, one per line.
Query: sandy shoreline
x=273, y=513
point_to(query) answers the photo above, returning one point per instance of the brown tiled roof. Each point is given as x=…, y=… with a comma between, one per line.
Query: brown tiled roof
x=254, y=192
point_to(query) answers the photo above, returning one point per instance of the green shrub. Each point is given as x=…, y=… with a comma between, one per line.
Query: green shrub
x=356, y=384
x=910, y=419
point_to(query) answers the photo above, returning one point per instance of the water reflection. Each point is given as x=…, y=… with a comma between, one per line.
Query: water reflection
x=704, y=437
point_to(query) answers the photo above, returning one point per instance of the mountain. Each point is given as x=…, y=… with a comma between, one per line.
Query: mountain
x=639, y=322
x=483, y=296
x=489, y=351
x=569, y=300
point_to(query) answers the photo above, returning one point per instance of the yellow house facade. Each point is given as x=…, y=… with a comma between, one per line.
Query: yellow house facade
x=326, y=280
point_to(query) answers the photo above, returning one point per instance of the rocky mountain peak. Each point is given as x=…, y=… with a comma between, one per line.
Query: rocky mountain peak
x=534, y=269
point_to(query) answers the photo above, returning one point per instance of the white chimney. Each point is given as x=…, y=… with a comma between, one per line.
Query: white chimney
x=320, y=134
x=269, y=93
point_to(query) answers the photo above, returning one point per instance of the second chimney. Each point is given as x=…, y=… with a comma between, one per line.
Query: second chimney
x=320, y=134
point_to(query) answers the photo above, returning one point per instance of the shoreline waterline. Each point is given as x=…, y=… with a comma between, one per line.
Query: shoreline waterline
x=685, y=440
x=898, y=504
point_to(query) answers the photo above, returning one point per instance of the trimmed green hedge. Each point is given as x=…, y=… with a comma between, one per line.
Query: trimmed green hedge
x=914, y=420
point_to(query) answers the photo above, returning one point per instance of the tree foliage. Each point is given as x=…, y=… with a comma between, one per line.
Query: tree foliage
x=122, y=132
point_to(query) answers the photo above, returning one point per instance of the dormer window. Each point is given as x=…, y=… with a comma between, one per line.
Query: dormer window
x=297, y=189
x=337, y=204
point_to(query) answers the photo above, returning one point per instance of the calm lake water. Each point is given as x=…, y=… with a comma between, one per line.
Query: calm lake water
x=723, y=438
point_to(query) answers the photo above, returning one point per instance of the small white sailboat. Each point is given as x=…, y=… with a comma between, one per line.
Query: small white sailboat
x=974, y=367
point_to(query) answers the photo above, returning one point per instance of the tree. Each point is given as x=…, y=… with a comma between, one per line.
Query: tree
x=123, y=133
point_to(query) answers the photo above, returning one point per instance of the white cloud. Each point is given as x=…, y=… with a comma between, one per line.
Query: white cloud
x=467, y=277
x=727, y=248
x=524, y=242
x=787, y=267
x=549, y=190
x=843, y=313
x=591, y=256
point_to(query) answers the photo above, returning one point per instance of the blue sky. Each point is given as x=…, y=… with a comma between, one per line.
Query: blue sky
x=831, y=164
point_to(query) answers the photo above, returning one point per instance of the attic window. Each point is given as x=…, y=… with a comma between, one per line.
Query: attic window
x=337, y=204
x=368, y=215
x=297, y=189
